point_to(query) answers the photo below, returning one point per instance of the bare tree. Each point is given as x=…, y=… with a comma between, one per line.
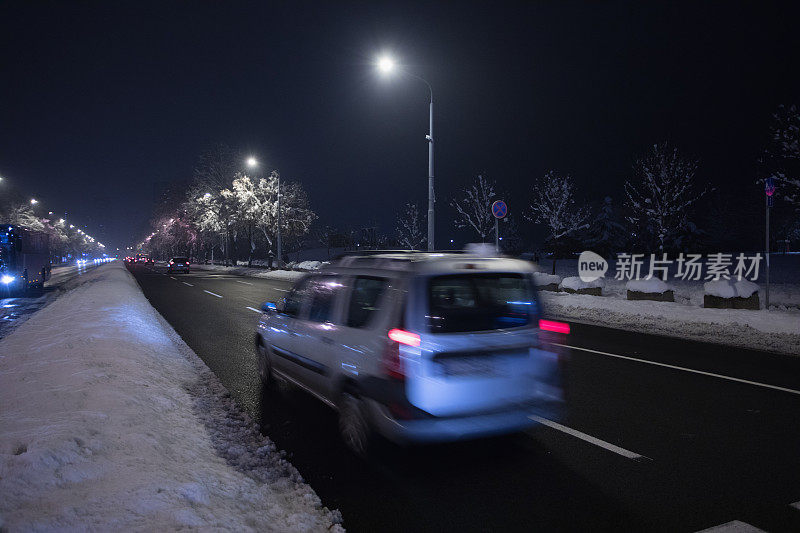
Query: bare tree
x=553, y=205
x=410, y=233
x=327, y=237
x=783, y=154
x=474, y=210
x=660, y=195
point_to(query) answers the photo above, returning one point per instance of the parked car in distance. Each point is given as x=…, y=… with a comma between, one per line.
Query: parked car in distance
x=178, y=264
x=418, y=347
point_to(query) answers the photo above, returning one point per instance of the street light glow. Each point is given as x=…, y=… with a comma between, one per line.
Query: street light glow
x=386, y=64
x=34, y=201
x=252, y=162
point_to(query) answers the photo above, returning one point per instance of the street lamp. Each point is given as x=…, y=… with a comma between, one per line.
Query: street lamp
x=34, y=201
x=386, y=65
x=252, y=162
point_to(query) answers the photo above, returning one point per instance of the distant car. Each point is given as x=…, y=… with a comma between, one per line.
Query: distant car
x=418, y=347
x=178, y=264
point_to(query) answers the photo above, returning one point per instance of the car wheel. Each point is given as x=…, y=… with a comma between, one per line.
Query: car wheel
x=264, y=364
x=353, y=426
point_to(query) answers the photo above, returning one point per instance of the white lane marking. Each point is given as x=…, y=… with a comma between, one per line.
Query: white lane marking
x=176, y=279
x=701, y=372
x=252, y=309
x=212, y=293
x=282, y=290
x=795, y=505
x=734, y=526
x=240, y=281
x=189, y=284
x=588, y=438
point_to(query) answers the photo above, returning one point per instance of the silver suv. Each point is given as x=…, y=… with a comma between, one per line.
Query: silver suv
x=418, y=347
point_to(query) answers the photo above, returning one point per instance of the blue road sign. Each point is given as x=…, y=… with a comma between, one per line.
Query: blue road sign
x=499, y=209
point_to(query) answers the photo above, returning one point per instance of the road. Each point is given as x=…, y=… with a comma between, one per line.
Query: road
x=14, y=310
x=658, y=433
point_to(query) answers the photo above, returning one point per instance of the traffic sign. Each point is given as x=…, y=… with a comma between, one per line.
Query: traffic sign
x=499, y=209
x=769, y=186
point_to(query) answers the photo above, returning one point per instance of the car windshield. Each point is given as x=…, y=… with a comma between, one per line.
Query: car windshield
x=479, y=302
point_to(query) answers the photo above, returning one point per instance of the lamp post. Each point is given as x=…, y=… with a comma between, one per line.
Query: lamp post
x=252, y=162
x=387, y=65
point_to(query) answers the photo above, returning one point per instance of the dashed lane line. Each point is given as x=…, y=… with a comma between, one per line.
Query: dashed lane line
x=674, y=367
x=588, y=438
x=212, y=293
x=734, y=526
x=189, y=284
x=243, y=282
x=252, y=309
x=176, y=279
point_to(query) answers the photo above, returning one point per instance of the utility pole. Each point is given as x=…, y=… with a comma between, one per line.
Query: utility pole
x=431, y=195
x=280, y=248
x=769, y=190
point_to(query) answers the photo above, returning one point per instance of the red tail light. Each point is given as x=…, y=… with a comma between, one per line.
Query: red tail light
x=187, y=263
x=392, y=364
x=172, y=262
x=551, y=325
x=404, y=337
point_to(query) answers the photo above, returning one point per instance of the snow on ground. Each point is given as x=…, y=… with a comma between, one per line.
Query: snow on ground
x=575, y=283
x=777, y=331
x=287, y=275
x=648, y=286
x=110, y=422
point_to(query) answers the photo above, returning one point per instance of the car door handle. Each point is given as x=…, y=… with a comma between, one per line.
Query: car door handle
x=326, y=340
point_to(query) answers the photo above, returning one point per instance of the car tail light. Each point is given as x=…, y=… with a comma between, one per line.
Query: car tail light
x=404, y=337
x=552, y=325
x=391, y=362
x=172, y=262
x=187, y=263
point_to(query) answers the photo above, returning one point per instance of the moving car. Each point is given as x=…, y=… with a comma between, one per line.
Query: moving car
x=178, y=264
x=418, y=347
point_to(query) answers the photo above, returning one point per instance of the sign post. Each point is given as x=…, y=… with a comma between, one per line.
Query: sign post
x=499, y=210
x=769, y=190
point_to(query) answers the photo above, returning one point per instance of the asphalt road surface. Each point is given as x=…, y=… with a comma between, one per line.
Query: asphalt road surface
x=658, y=433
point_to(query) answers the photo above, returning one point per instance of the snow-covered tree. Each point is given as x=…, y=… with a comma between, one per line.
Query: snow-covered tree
x=410, y=233
x=474, y=209
x=660, y=196
x=21, y=214
x=782, y=157
x=553, y=205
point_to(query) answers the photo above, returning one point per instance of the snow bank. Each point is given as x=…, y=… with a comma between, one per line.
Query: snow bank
x=648, y=286
x=575, y=283
x=541, y=279
x=110, y=422
x=728, y=288
x=777, y=331
x=287, y=275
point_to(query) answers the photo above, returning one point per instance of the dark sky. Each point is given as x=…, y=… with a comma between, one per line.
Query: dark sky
x=99, y=101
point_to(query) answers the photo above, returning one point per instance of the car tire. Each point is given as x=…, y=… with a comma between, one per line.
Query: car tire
x=264, y=363
x=353, y=425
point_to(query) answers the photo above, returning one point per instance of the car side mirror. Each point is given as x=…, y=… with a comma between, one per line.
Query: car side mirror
x=269, y=308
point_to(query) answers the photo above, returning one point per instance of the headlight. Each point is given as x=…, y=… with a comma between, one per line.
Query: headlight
x=6, y=279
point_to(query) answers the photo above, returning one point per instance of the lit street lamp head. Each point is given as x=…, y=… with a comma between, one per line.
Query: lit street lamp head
x=386, y=64
x=252, y=162
x=34, y=201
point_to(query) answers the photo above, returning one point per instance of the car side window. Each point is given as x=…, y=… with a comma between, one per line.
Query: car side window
x=323, y=296
x=294, y=301
x=366, y=293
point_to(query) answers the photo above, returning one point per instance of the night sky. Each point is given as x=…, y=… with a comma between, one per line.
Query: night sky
x=100, y=101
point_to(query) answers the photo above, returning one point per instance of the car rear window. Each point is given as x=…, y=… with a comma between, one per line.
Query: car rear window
x=181, y=260
x=364, y=300
x=479, y=302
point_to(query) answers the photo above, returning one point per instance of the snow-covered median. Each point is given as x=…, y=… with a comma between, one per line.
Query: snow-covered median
x=108, y=421
x=774, y=330
x=285, y=275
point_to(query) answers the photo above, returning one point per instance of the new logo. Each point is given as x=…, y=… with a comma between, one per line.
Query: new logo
x=591, y=266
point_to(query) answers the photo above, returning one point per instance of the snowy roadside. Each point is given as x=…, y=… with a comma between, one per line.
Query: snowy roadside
x=284, y=275
x=776, y=330
x=109, y=421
